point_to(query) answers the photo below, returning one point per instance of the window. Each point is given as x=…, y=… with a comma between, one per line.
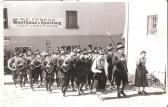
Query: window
x=71, y=20
x=5, y=17
x=152, y=25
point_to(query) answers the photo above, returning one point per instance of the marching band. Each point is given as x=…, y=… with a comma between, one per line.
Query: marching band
x=90, y=68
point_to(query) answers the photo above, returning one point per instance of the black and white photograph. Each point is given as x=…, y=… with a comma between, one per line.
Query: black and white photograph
x=76, y=53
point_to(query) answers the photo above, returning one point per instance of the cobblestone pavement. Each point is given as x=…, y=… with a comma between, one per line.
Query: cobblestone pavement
x=19, y=97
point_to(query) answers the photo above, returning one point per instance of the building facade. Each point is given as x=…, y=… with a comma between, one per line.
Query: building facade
x=147, y=30
x=75, y=23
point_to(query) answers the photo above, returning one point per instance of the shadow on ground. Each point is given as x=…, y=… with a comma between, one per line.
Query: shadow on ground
x=135, y=95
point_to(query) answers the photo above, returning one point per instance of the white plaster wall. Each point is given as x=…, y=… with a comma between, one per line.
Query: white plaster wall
x=139, y=40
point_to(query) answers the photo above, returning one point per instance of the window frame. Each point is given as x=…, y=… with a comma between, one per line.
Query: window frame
x=152, y=23
x=68, y=26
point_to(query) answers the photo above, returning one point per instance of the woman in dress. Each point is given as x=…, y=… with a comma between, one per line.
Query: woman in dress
x=141, y=74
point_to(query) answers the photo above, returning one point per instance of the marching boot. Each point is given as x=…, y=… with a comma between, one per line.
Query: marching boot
x=73, y=88
x=82, y=91
x=31, y=84
x=118, y=95
x=118, y=90
x=57, y=81
x=15, y=83
x=122, y=91
x=24, y=82
x=63, y=92
x=81, y=88
x=91, y=88
x=41, y=84
x=64, y=88
x=46, y=86
x=79, y=91
x=139, y=93
x=144, y=93
x=99, y=95
x=86, y=86
x=21, y=84
x=50, y=90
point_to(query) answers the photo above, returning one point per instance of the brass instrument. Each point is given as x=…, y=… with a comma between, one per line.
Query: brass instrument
x=66, y=64
x=11, y=64
x=49, y=66
x=20, y=64
x=34, y=64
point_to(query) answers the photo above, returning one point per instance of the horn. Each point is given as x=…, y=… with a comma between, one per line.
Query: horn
x=20, y=64
x=11, y=66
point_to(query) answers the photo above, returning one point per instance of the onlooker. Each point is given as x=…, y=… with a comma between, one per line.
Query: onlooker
x=140, y=75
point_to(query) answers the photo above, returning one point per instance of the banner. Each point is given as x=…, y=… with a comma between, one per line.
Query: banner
x=36, y=22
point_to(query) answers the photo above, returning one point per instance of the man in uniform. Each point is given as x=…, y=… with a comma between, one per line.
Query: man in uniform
x=48, y=70
x=55, y=65
x=109, y=59
x=72, y=69
x=81, y=73
x=90, y=74
x=88, y=64
x=12, y=67
x=121, y=74
x=30, y=56
x=62, y=75
x=35, y=66
x=21, y=67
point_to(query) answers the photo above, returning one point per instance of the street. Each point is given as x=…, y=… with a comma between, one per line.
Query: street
x=18, y=97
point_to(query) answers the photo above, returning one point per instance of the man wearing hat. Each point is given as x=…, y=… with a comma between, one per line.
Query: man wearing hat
x=110, y=65
x=98, y=68
x=39, y=59
x=59, y=61
x=12, y=67
x=54, y=58
x=121, y=73
x=48, y=72
x=62, y=75
x=69, y=70
x=30, y=56
x=90, y=74
x=35, y=66
x=72, y=70
x=21, y=67
x=88, y=63
x=75, y=67
x=81, y=73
